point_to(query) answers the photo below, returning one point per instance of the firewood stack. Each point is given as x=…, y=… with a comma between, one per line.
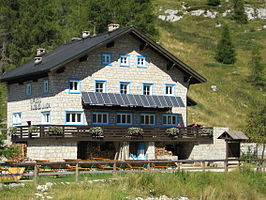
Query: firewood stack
x=159, y=151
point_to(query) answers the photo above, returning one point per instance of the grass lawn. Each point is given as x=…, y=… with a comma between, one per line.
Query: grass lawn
x=244, y=184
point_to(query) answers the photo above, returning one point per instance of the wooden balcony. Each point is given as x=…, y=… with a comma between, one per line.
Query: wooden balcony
x=110, y=133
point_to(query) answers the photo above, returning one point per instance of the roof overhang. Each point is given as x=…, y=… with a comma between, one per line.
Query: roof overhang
x=233, y=135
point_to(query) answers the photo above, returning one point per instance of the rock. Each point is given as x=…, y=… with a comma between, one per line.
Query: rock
x=16, y=185
x=170, y=16
x=255, y=13
x=218, y=25
x=183, y=198
x=210, y=14
x=226, y=13
x=49, y=197
x=197, y=12
x=214, y=88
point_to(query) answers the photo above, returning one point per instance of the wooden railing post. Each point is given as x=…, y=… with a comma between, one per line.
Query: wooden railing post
x=35, y=178
x=77, y=172
x=203, y=166
x=226, y=165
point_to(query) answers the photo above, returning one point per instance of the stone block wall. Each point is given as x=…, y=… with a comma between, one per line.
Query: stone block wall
x=88, y=72
x=214, y=150
x=53, y=151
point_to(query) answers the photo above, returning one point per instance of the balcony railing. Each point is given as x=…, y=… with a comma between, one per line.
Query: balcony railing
x=110, y=133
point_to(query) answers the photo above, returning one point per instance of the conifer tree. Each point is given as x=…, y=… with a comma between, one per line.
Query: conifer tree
x=239, y=14
x=213, y=2
x=257, y=69
x=225, y=52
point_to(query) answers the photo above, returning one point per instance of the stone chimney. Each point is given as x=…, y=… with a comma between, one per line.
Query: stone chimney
x=40, y=51
x=112, y=27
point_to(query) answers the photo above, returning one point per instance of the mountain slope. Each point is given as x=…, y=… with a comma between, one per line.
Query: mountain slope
x=193, y=39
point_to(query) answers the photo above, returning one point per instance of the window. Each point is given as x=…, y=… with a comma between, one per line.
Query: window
x=124, y=87
x=124, y=60
x=141, y=61
x=74, y=86
x=147, y=89
x=100, y=118
x=45, y=86
x=170, y=120
x=100, y=86
x=16, y=118
x=169, y=89
x=28, y=89
x=124, y=118
x=147, y=119
x=46, y=117
x=74, y=117
x=106, y=59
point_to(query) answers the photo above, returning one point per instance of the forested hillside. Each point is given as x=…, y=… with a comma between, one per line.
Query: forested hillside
x=190, y=29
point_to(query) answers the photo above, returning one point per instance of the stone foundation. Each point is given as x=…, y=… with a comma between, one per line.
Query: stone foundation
x=52, y=151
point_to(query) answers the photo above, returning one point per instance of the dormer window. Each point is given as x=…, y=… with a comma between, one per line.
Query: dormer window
x=106, y=59
x=74, y=86
x=141, y=62
x=28, y=89
x=124, y=60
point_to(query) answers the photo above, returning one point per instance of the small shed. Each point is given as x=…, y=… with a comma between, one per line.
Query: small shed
x=233, y=140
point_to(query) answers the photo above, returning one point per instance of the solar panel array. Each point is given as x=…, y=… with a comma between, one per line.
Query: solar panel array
x=131, y=100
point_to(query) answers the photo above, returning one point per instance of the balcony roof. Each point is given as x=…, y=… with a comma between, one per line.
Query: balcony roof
x=131, y=100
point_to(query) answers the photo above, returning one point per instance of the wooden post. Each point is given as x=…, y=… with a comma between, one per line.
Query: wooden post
x=114, y=168
x=226, y=165
x=77, y=172
x=149, y=166
x=203, y=166
x=238, y=164
x=179, y=165
x=35, y=178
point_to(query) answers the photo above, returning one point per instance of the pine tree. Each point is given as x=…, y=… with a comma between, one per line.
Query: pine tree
x=213, y=2
x=239, y=14
x=257, y=69
x=225, y=52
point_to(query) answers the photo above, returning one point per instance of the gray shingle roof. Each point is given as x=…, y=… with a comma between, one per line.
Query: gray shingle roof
x=68, y=52
x=233, y=135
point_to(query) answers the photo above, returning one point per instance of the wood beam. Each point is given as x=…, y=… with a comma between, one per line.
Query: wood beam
x=110, y=44
x=170, y=66
x=143, y=46
x=60, y=70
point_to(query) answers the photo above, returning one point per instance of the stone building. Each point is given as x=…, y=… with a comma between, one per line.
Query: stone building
x=115, y=80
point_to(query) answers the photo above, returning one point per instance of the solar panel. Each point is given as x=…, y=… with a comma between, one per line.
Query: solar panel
x=138, y=100
x=106, y=99
x=162, y=101
x=119, y=99
x=92, y=98
x=113, y=99
x=125, y=99
x=157, y=101
x=174, y=102
x=144, y=101
x=168, y=101
x=99, y=98
x=151, y=101
x=180, y=102
x=132, y=100
x=85, y=98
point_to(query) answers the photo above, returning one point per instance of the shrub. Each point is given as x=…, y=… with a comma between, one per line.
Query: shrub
x=33, y=129
x=96, y=131
x=55, y=129
x=135, y=131
x=172, y=131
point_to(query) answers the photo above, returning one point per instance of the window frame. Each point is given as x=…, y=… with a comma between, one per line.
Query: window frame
x=44, y=86
x=170, y=114
x=173, y=89
x=145, y=114
x=144, y=62
x=76, y=112
x=104, y=85
x=78, y=86
x=26, y=88
x=125, y=113
x=97, y=123
x=42, y=117
x=13, y=117
x=128, y=87
x=103, y=62
x=151, y=88
x=120, y=61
